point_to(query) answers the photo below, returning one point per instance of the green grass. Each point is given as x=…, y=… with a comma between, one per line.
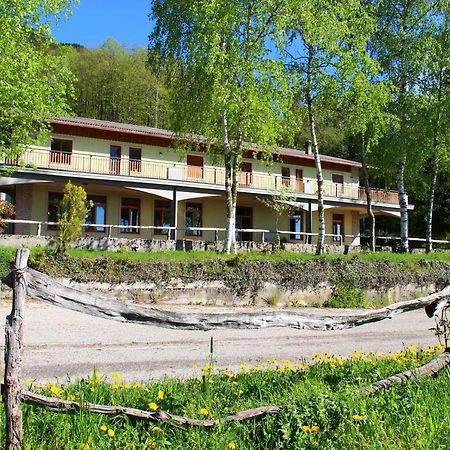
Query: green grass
x=320, y=408
x=257, y=256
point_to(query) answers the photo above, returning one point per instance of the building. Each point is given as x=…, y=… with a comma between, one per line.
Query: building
x=140, y=186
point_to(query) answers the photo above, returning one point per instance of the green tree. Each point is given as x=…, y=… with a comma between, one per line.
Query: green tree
x=227, y=87
x=400, y=45
x=74, y=212
x=322, y=37
x=34, y=83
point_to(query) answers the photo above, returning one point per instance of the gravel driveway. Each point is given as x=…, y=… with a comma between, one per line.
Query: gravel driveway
x=61, y=343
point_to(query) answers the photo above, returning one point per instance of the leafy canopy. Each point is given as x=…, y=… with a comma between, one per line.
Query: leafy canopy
x=33, y=82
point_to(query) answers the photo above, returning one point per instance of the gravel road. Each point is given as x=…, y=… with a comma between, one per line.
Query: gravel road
x=61, y=344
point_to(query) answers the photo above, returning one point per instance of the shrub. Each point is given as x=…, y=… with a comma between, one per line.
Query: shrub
x=75, y=209
x=346, y=296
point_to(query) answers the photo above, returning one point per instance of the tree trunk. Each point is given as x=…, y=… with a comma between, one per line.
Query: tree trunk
x=402, y=197
x=13, y=355
x=231, y=210
x=368, y=192
x=315, y=147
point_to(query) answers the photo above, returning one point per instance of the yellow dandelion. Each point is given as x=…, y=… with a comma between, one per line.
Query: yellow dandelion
x=117, y=377
x=111, y=433
x=357, y=418
x=153, y=406
x=160, y=395
x=315, y=428
x=203, y=412
x=55, y=390
x=103, y=427
x=234, y=382
x=28, y=382
x=305, y=428
x=115, y=386
x=231, y=446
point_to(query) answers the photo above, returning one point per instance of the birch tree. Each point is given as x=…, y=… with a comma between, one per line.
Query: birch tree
x=227, y=88
x=321, y=37
x=400, y=47
x=436, y=95
x=34, y=83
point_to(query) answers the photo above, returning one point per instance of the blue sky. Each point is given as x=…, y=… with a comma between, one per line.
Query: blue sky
x=94, y=21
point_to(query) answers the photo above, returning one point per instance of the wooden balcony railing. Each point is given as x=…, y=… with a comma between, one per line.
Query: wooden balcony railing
x=99, y=164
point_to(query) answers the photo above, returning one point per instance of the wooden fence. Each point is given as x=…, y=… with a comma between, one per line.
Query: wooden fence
x=25, y=280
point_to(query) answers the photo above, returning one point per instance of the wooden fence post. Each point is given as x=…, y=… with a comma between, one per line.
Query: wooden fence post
x=13, y=355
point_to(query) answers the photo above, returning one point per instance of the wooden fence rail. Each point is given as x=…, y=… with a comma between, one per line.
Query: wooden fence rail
x=42, y=287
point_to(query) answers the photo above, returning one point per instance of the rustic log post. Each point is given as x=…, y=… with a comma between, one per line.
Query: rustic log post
x=13, y=355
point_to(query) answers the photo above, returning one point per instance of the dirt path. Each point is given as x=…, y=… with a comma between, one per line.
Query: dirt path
x=61, y=344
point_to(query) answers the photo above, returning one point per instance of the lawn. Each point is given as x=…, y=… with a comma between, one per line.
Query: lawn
x=320, y=408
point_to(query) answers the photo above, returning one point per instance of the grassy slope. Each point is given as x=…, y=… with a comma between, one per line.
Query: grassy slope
x=320, y=396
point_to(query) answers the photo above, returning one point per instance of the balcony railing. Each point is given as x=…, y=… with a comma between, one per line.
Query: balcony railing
x=98, y=164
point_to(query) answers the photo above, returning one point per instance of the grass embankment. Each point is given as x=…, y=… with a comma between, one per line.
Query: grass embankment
x=321, y=409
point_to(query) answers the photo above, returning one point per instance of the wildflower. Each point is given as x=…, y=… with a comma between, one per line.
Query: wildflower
x=71, y=398
x=28, y=382
x=305, y=428
x=211, y=381
x=234, y=382
x=55, y=390
x=115, y=386
x=198, y=380
x=117, y=377
x=357, y=418
x=160, y=395
x=315, y=428
x=103, y=427
x=127, y=386
x=231, y=446
x=111, y=433
x=92, y=389
x=137, y=385
x=203, y=412
x=85, y=447
x=158, y=430
x=153, y=406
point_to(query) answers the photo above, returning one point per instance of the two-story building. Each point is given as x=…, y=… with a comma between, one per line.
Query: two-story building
x=141, y=185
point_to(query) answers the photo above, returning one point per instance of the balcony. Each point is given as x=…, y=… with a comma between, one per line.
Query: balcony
x=98, y=164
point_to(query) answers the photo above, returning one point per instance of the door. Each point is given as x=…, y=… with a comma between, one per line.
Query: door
x=195, y=166
x=244, y=220
x=299, y=180
x=115, y=153
x=245, y=177
x=338, y=184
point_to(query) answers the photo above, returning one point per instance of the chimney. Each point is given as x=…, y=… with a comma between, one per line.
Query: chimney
x=308, y=147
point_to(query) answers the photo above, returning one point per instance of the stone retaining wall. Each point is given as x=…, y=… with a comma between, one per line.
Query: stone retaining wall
x=152, y=245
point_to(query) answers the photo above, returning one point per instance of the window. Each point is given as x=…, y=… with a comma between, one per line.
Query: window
x=194, y=166
x=244, y=220
x=61, y=151
x=338, y=184
x=54, y=209
x=130, y=215
x=135, y=159
x=286, y=176
x=97, y=213
x=338, y=227
x=115, y=154
x=245, y=177
x=162, y=216
x=299, y=180
x=296, y=225
x=193, y=218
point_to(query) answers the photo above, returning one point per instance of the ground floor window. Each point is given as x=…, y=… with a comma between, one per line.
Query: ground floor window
x=244, y=220
x=193, y=218
x=296, y=225
x=338, y=227
x=97, y=213
x=54, y=208
x=130, y=215
x=162, y=216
